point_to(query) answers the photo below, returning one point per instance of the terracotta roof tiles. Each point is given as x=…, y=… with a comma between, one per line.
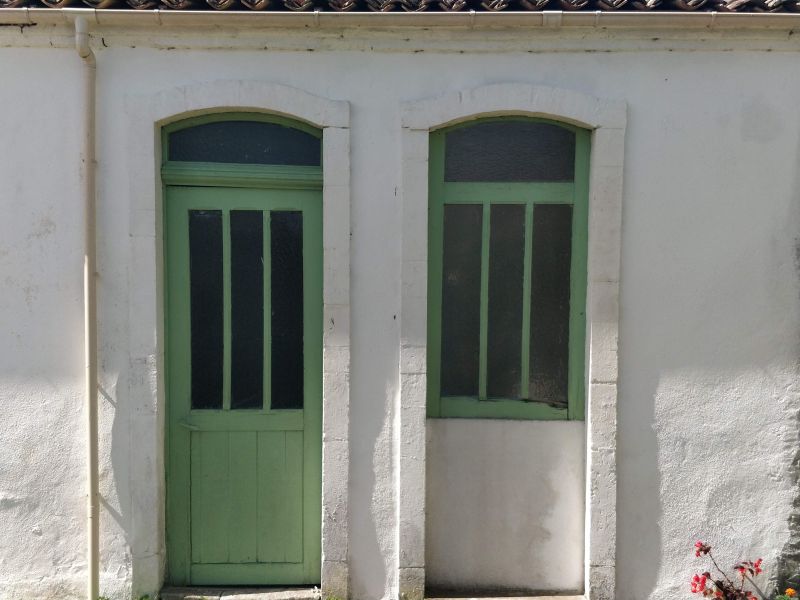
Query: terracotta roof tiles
x=749, y=6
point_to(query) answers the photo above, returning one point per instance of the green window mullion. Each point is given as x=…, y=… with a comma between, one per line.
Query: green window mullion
x=226, y=309
x=526, y=303
x=267, y=279
x=484, y=331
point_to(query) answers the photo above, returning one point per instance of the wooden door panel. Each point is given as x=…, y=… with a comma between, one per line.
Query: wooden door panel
x=243, y=495
x=209, y=496
x=247, y=497
x=281, y=487
x=243, y=476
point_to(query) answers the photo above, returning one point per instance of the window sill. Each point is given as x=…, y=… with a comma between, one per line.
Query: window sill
x=471, y=408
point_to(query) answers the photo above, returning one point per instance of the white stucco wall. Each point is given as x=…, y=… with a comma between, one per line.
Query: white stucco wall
x=505, y=502
x=42, y=508
x=708, y=395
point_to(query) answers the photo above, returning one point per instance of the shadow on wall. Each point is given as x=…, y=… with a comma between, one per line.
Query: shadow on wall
x=371, y=499
x=115, y=502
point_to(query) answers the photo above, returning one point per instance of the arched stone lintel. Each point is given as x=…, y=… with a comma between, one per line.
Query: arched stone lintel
x=506, y=99
x=250, y=96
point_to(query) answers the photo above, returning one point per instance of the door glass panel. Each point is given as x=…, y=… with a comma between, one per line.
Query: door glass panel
x=286, y=233
x=245, y=142
x=510, y=151
x=205, y=293
x=247, y=308
x=550, y=289
x=461, y=299
x=506, y=258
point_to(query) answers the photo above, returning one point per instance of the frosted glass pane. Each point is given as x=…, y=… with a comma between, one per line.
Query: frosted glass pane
x=461, y=299
x=506, y=265
x=509, y=151
x=247, y=309
x=550, y=287
x=286, y=232
x=245, y=142
x=205, y=295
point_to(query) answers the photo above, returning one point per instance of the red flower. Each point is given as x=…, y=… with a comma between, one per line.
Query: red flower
x=701, y=548
x=698, y=584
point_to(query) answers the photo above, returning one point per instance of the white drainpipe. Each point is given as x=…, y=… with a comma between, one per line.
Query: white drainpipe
x=90, y=297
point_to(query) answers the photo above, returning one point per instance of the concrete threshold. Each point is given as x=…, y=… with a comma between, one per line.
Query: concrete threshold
x=232, y=593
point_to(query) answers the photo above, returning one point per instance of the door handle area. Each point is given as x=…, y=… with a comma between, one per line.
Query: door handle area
x=188, y=426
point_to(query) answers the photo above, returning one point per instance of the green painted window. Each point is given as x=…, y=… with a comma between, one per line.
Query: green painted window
x=507, y=270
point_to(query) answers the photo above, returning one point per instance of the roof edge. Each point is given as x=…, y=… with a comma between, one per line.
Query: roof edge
x=548, y=19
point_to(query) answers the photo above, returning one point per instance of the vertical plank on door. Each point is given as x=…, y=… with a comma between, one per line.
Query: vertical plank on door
x=210, y=510
x=280, y=496
x=243, y=485
x=196, y=497
x=293, y=500
x=271, y=469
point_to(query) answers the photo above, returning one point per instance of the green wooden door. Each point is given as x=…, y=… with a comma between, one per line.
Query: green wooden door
x=244, y=381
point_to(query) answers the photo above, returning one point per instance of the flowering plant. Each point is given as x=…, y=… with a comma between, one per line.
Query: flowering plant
x=737, y=587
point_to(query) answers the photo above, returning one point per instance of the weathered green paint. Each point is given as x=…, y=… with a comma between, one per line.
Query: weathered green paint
x=529, y=194
x=243, y=486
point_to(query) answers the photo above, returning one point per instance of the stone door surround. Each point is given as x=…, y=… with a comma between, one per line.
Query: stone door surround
x=606, y=119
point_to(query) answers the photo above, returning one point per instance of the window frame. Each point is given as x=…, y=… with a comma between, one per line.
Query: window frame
x=573, y=193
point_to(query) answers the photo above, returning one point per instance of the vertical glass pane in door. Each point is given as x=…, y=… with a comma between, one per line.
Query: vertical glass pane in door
x=550, y=289
x=286, y=234
x=506, y=265
x=247, y=308
x=461, y=299
x=205, y=296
